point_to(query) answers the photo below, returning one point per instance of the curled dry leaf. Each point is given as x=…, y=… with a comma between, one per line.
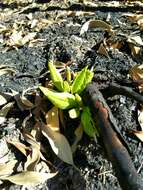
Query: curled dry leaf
x=24, y=123
x=138, y=134
x=19, y=38
x=30, y=139
x=59, y=144
x=26, y=102
x=28, y=178
x=95, y=24
x=135, y=43
x=140, y=117
x=102, y=50
x=7, y=168
x=36, y=132
x=2, y=100
x=136, y=18
x=136, y=40
x=34, y=153
x=7, y=70
x=4, y=111
x=136, y=73
x=23, y=103
x=32, y=159
x=52, y=119
x=20, y=146
x=135, y=51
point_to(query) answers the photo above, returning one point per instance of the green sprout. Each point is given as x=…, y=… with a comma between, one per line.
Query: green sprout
x=68, y=95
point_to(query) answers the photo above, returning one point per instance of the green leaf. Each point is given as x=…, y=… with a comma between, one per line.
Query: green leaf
x=62, y=100
x=66, y=86
x=79, y=100
x=88, y=123
x=68, y=75
x=74, y=113
x=88, y=77
x=81, y=80
x=55, y=76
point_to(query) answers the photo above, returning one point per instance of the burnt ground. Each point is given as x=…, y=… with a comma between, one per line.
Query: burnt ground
x=62, y=42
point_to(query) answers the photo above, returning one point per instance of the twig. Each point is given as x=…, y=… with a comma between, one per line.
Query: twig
x=117, y=153
x=116, y=89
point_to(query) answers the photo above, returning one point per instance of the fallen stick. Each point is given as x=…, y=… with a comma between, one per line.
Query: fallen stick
x=113, y=141
x=116, y=89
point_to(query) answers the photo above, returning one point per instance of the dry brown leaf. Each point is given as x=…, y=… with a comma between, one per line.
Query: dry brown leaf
x=36, y=132
x=59, y=144
x=22, y=102
x=102, y=50
x=4, y=111
x=136, y=40
x=4, y=158
x=136, y=73
x=24, y=123
x=26, y=102
x=20, y=146
x=43, y=23
x=28, y=178
x=30, y=139
x=52, y=119
x=32, y=159
x=136, y=18
x=114, y=44
x=95, y=24
x=46, y=161
x=35, y=154
x=15, y=39
x=6, y=70
x=138, y=134
x=2, y=28
x=27, y=38
x=134, y=49
x=19, y=38
x=2, y=100
x=78, y=133
x=140, y=117
x=7, y=168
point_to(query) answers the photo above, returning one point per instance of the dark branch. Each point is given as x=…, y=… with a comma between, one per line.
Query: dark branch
x=116, y=89
x=117, y=153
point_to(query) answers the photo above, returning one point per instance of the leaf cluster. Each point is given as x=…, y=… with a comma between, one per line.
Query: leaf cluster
x=68, y=95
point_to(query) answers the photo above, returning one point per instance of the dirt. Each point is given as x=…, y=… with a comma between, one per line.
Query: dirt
x=63, y=43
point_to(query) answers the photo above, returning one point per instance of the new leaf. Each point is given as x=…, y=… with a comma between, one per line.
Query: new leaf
x=62, y=100
x=55, y=76
x=82, y=79
x=88, y=123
